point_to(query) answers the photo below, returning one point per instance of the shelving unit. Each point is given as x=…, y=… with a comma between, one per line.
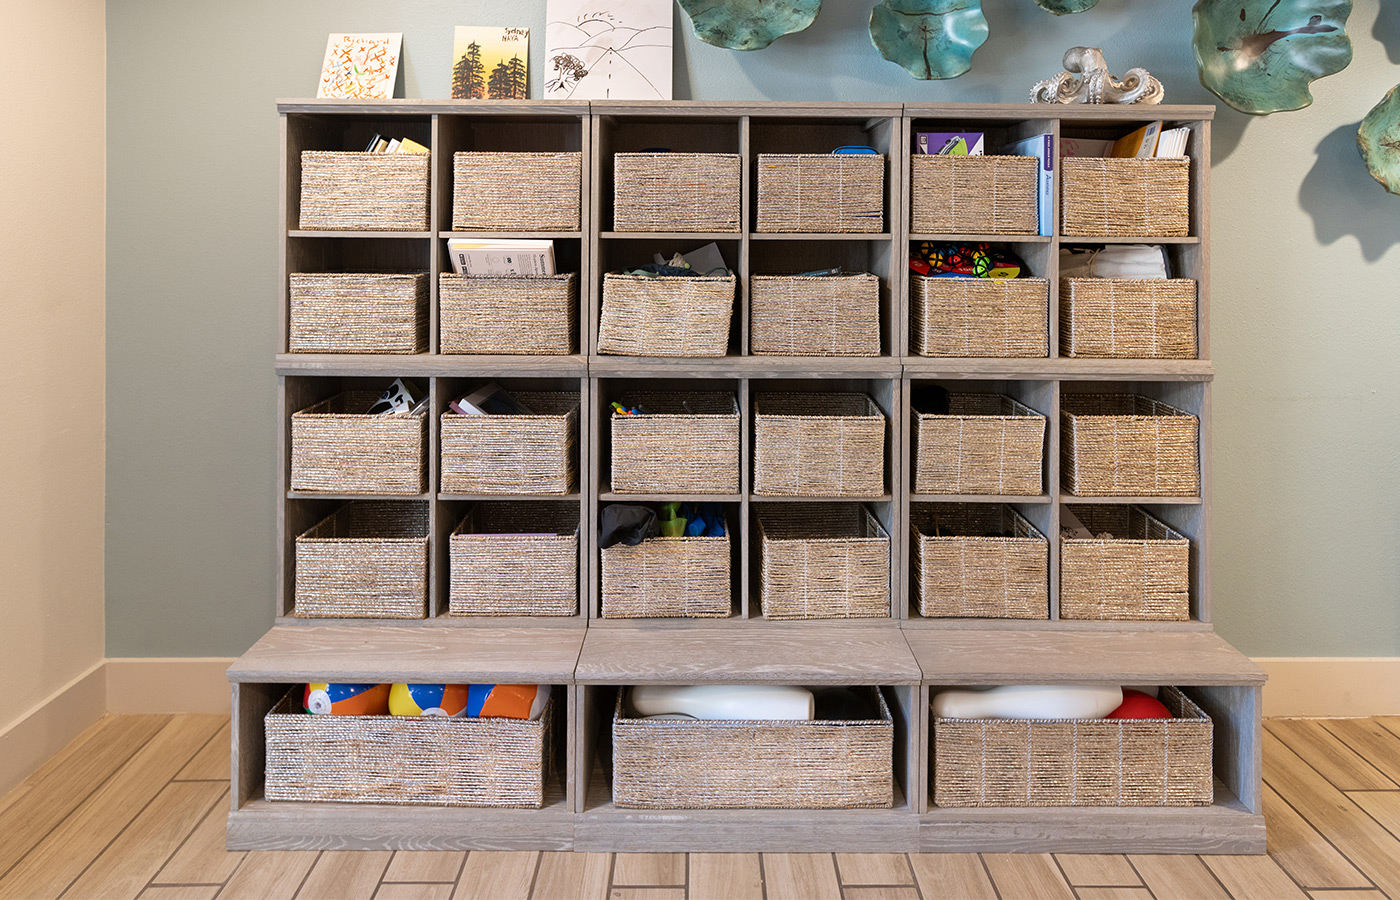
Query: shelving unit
x=589, y=656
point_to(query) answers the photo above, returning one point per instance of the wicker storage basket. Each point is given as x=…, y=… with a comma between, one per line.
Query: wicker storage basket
x=338, y=448
x=340, y=312
x=686, y=443
x=1127, y=445
x=815, y=315
x=666, y=315
x=818, y=445
x=366, y=560
x=515, y=558
x=834, y=193
x=407, y=760
x=1128, y=318
x=963, y=568
x=349, y=191
x=973, y=194
x=516, y=191
x=969, y=317
x=1143, y=572
x=684, y=577
x=531, y=454
x=1125, y=197
x=823, y=561
x=725, y=764
x=987, y=444
x=685, y=192
x=526, y=314
x=1058, y=762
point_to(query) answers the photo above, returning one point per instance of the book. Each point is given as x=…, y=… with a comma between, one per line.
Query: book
x=1172, y=142
x=360, y=66
x=1042, y=147
x=501, y=257
x=410, y=146
x=1141, y=143
x=949, y=143
x=1083, y=147
x=393, y=146
x=491, y=400
x=490, y=63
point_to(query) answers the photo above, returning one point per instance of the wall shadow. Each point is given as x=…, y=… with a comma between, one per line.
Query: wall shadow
x=1387, y=29
x=1343, y=198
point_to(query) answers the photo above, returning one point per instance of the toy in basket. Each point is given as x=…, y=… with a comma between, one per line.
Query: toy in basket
x=476, y=701
x=346, y=699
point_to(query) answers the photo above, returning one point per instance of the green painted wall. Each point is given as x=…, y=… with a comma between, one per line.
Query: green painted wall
x=1305, y=322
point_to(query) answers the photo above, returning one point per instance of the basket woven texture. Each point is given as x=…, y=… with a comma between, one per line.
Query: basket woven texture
x=341, y=312
x=823, y=561
x=1128, y=318
x=338, y=448
x=407, y=760
x=973, y=194
x=821, y=192
x=684, y=577
x=1096, y=762
x=1125, y=197
x=1143, y=572
x=526, y=314
x=967, y=317
x=366, y=560
x=531, y=454
x=516, y=191
x=987, y=444
x=515, y=558
x=818, y=445
x=815, y=315
x=724, y=764
x=349, y=191
x=666, y=315
x=676, y=192
x=686, y=443
x=1127, y=445
x=959, y=570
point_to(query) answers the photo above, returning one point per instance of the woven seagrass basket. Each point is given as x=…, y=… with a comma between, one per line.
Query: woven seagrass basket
x=818, y=445
x=821, y=192
x=685, y=577
x=727, y=764
x=516, y=191
x=1125, y=197
x=686, y=443
x=1127, y=445
x=1128, y=318
x=684, y=192
x=815, y=315
x=338, y=448
x=341, y=312
x=349, y=191
x=1143, y=572
x=515, y=558
x=526, y=314
x=407, y=760
x=969, y=317
x=368, y=559
x=973, y=194
x=823, y=561
x=964, y=567
x=987, y=444
x=666, y=315
x=1058, y=762
x=497, y=454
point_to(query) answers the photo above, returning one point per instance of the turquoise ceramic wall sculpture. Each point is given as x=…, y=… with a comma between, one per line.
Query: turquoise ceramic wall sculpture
x=748, y=24
x=1064, y=7
x=1259, y=56
x=1379, y=140
x=929, y=38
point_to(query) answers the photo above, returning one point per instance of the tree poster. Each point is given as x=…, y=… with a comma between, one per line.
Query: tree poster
x=490, y=63
x=608, y=50
x=360, y=66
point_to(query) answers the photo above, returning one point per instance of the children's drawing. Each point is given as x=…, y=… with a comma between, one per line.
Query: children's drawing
x=608, y=50
x=490, y=63
x=360, y=66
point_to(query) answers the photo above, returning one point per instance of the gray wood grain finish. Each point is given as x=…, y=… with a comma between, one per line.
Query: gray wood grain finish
x=1213, y=829
x=431, y=365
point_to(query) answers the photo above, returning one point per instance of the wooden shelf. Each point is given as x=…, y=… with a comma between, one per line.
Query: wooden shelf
x=431, y=365
x=984, y=238
x=1165, y=501
x=397, y=235
x=1059, y=369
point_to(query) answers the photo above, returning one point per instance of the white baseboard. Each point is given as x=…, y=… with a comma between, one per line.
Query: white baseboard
x=51, y=725
x=168, y=685
x=1331, y=685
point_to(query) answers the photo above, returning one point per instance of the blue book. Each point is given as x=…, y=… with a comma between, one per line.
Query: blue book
x=1042, y=147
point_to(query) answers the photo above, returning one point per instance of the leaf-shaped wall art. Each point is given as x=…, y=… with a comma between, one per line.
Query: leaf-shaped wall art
x=1065, y=7
x=929, y=38
x=1379, y=140
x=1259, y=56
x=748, y=24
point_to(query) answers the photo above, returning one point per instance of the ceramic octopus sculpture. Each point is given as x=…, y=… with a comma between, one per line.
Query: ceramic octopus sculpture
x=1088, y=81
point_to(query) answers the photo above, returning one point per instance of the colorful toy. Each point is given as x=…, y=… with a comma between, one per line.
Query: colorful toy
x=428, y=700
x=1137, y=705
x=472, y=701
x=1029, y=701
x=346, y=699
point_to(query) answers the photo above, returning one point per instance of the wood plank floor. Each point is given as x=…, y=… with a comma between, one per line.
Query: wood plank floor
x=135, y=807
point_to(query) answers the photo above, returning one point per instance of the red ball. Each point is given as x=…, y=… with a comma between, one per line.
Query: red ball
x=1137, y=705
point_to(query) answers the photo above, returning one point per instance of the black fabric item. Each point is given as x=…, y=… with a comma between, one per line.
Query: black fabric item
x=627, y=524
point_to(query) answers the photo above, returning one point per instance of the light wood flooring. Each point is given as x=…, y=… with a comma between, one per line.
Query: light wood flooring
x=135, y=808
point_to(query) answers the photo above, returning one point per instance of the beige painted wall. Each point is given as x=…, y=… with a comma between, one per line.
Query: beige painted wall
x=52, y=355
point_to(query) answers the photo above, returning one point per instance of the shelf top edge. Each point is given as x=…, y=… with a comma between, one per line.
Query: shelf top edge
x=425, y=106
